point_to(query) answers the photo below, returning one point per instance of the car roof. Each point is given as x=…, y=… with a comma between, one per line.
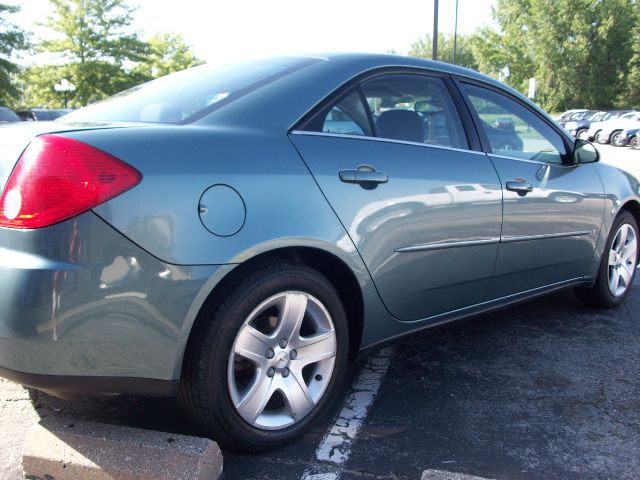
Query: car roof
x=324, y=74
x=387, y=60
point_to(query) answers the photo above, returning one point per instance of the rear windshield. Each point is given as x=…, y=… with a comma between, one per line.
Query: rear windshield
x=186, y=96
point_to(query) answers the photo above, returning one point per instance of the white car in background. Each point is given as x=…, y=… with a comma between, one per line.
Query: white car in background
x=605, y=132
x=564, y=116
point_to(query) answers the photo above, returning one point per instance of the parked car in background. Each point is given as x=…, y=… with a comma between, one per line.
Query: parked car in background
x=563, y=117
x=626, y=136
x=503, y=139
x=577, y=116
x=613, y=114
x=580, y=128
x=505, y=123
x=42, y=114
x=601, y=132
x=8, y=115
x=186, y=238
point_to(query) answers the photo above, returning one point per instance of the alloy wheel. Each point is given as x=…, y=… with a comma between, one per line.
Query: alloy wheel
x=282, y=360
x=622, y=259
x=616, y=139
x=601, y=138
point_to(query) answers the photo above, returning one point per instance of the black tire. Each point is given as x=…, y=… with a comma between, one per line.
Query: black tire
x=599, y=295
x=635, y=142
x=204, y=392
x=601, y=139
x=616, y=138
x=582, y=134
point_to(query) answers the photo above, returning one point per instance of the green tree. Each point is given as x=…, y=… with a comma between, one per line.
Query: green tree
x=498, y=54
x=423, y=48
x=167, y=53
x=12, y=40
x=39, y=81
x=578, y=50
x=93, y=38
x=631, y=94
x=103, y=79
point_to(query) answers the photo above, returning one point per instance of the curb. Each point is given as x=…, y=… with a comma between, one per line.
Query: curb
x=79, y=450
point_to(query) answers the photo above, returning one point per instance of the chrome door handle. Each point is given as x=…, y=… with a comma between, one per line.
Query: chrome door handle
x=363, y=177
x=521, y=187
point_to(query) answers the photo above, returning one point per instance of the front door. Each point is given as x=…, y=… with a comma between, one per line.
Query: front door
x=552, y=210
x=423, y=210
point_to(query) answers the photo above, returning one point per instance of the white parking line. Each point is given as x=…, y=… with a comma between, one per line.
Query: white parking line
x=443, y=475
x=320, y=476
x=336, y=445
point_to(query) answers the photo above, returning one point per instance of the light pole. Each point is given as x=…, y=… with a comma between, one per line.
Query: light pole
x=434, y=55
x=455, y=35
x=65, y=87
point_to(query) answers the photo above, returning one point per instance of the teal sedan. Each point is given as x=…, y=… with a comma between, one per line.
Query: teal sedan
x=235, y=235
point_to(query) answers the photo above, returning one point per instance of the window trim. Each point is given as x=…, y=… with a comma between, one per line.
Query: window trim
x=383, y=139
x=468, y=123
x=566, y=159
x=468, y=126
x=536, y=162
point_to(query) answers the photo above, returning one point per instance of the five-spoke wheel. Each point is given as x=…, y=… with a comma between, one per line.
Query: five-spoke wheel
x=618, y=265
x=266, y=357
x=282, y=360
x=622, y=259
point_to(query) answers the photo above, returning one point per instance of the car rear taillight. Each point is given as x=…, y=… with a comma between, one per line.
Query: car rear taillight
x=58, y=178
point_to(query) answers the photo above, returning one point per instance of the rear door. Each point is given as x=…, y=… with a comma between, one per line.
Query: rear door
x=423, y=208
x=552, y=210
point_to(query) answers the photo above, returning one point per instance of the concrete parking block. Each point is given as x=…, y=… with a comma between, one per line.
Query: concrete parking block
x=67, y=449
x=443, y=475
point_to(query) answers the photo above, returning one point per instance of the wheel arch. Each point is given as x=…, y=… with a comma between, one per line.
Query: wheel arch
x=613, y=134
x=328, y=264
x=632, y=206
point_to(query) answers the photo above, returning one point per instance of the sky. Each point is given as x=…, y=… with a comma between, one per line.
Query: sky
x=220, y=32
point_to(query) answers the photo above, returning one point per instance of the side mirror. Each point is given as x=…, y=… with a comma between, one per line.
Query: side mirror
x=585, y=152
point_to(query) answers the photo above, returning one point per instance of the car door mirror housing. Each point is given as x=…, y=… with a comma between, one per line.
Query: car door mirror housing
x=585, y=152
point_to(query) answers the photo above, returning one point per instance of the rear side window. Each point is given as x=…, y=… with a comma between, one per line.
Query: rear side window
x=347, y=117
x=414, y=108
x=407, y=107
x=188, y=95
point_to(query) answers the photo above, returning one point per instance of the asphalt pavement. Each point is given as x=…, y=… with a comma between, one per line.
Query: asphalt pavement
x=547, y=389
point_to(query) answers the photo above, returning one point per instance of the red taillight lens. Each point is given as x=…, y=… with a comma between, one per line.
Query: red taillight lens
x=58, y=178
